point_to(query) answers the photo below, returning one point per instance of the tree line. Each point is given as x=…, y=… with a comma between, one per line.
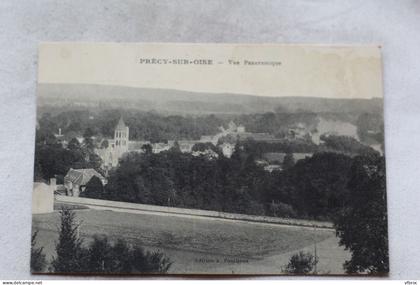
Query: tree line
x=52, y=159
x=157, y=127
x=311, y=188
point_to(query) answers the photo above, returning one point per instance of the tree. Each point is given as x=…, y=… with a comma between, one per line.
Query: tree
x=201, y=147
x=94, y=161
x=99, y=257
x=69, y=252
x=74, y=145
x=362, y=223
x=94, y=188
x=302, y=263
x=105, y=144
x=38, y=174
x=147, y=148
x=176, y=147
x=280, y=209
x=315, y=187
x=52, y=160
x=148, y=262
x=288, y=161
x=345, y=144
x=119, y=257
x=38, y=261
x=87, y=140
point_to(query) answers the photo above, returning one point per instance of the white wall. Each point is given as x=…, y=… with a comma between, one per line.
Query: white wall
x=43, y=199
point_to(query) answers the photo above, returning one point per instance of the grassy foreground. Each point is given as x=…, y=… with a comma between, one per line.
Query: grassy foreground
x=192, y=243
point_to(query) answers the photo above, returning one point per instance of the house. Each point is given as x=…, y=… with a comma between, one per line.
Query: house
x=274, y=160
x=261, y=162
x=299, y=131
x=159, y=147
x=186, y=145
x=302, y=155
x=260, y=137
x=208, y=153
x=76, y=180
x=278, y=157
x=232, y=127
x=137, y=146
x=240, y=129
x=227, y=149
x=272, y=167
x=274, y=157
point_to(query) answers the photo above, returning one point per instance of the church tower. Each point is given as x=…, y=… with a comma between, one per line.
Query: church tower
x=121, y=137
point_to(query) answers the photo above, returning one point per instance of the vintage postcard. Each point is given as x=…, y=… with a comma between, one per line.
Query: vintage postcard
x=209, y=159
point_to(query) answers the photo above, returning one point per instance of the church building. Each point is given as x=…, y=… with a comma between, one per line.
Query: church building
x=116, y=147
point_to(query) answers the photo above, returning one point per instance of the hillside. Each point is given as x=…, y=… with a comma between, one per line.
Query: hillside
x=71, y=97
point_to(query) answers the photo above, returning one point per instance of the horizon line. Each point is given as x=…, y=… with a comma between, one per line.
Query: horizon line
x=204, y=92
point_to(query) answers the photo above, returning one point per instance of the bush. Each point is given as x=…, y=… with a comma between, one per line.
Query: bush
x=302, y=263
x=101, y=256
x=119, y=257
x=282, y=210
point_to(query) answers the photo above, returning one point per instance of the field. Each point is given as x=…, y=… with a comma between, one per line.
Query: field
x=203, y=245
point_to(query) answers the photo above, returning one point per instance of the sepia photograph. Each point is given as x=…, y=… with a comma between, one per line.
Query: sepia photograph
x=209, y=159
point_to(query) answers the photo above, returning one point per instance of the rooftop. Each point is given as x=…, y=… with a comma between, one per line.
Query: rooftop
x=82, y=176
x=121, y=125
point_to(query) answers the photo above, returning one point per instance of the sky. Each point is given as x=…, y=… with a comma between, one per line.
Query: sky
x=276, y=70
